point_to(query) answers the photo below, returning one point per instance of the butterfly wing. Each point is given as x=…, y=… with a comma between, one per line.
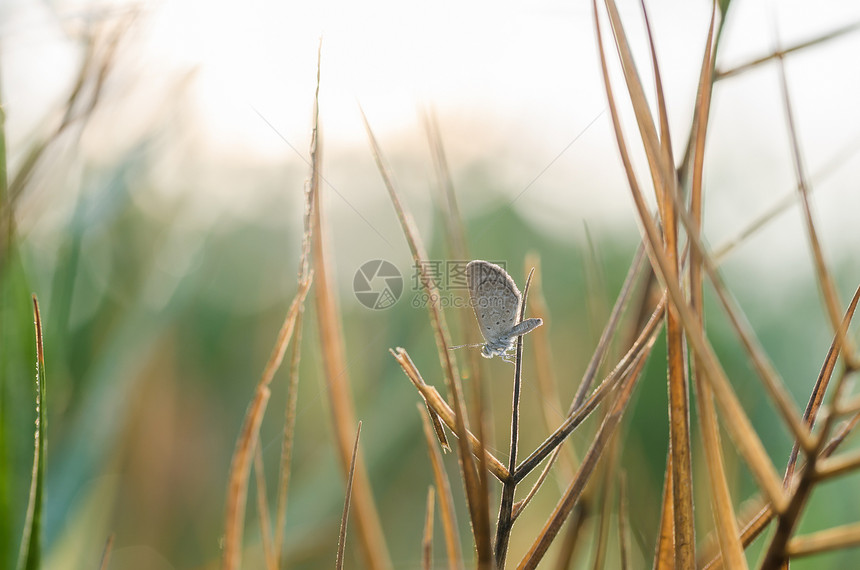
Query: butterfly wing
x=495, y=299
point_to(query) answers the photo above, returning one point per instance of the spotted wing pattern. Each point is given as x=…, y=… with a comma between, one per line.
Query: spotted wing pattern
x=496, y=301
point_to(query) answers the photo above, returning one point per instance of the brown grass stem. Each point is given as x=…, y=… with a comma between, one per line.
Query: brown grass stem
x=505, y=520
x=825, y=278
x=341, y=540
x=781, y=53
x=739, y=425
x=638, y=350
x=718, y=488
x=437, y=403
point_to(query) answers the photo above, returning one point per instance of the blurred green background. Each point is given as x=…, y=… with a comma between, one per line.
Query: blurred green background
x=163, y=243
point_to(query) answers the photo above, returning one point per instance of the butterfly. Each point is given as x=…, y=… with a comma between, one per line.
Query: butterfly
x=497, y=302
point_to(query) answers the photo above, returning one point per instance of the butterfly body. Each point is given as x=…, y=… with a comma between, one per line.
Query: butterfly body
x=497, y=302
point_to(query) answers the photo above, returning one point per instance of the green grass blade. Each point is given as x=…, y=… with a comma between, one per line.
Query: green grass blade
x=31, y=543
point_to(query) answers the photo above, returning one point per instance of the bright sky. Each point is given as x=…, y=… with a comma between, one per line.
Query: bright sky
x=514, y=83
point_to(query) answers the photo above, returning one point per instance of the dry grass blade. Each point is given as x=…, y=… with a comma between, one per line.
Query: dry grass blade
x=779, y=54
x=438, y=404
x=822, y=382
x=427, y=541
x=647, y=129
x=240, y=465
x=446, y=499
x=720, y=496
x=564, y=507
x=106, y=553
x=679, y=397
x=475, y=493
x=763, y=514
x=825, y=540
x=825, y=279
x=341, y=540
x=295, y=357
x=284, y=469
x=740, y=427
x=765, y=369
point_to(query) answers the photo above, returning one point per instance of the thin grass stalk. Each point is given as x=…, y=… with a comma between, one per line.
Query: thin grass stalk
x=506, y=520
x=564, y=507
x=263, y=511
x=740, y=428
x=720, y=496
x=106, y=553
x=240, y=466
x=341, y=540
x=837, y=161
x=639, y=348
x=438, y=404
x=446, y=499
x=285, y=468
x=641, y=109
x=456, y=237
x=679, y=397
x=825, y=278
x=427, y=540
x=816, y=398
x=764, y=514
x=291, y=406
x=457, y=245
x=782, y=53
x=777, y=552
x=471, y=480
x=31, y=539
